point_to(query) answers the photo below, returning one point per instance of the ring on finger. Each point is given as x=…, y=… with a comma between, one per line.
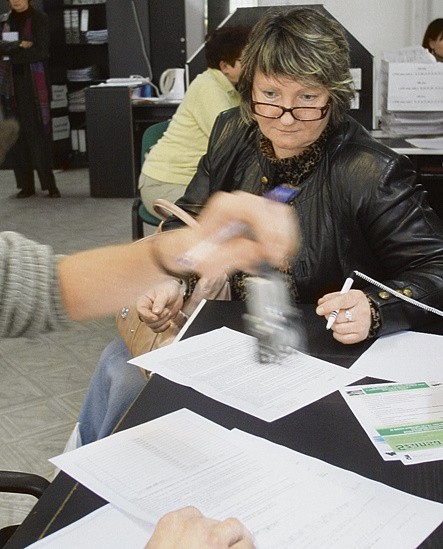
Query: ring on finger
x=348, y=315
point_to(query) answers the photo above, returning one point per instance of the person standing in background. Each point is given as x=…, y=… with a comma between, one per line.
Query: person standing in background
x=24, y=91
x=173, y=161
x=433, y=39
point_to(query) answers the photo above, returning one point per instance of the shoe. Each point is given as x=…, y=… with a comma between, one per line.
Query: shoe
x=54, y=193
x=25, y=194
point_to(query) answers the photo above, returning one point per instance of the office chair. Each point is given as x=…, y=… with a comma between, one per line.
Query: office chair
x=140, y=214
x=14, y=482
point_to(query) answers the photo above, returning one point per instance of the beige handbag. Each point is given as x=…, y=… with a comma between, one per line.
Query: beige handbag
x=138, y=337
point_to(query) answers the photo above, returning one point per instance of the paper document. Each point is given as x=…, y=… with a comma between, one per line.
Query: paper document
x=286, y=499
x=106, y=528
x=404, y=356
x=223, y=365
x=427, y=143
x=404, y=421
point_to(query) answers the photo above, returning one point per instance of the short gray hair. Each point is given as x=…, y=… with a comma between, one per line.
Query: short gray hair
x=302, y=44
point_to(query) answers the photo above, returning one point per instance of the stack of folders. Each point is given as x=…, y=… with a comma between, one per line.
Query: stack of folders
x=80, y=2
x=96, y=36
x=412, y=93
x=85, y=74
x=77, y=101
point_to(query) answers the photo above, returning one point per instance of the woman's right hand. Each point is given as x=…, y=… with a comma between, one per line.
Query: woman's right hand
x=160, y=304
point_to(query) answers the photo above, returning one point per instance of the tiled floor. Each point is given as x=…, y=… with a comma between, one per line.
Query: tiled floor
x=42, y=381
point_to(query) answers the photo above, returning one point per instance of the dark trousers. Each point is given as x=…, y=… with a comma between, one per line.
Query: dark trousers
x=33, y=149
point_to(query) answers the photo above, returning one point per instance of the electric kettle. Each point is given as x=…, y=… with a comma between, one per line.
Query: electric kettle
x=172, y=84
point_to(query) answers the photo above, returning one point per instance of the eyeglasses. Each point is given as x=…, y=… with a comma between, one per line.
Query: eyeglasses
x=304, y=114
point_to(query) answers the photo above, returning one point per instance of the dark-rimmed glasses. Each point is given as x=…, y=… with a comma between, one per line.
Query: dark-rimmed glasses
x=304, y=114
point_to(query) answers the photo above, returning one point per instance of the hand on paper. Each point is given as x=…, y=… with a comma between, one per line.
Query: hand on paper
x=354, y=318
x=159, y=306
x=187, y=528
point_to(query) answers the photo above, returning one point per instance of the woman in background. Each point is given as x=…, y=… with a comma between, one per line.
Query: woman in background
x=173, y=161
x=433, y=39
x=24, y=90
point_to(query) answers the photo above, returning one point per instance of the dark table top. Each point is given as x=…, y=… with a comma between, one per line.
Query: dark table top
x=326, y=429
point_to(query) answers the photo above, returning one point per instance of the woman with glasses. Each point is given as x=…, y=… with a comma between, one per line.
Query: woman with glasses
x=357, y=201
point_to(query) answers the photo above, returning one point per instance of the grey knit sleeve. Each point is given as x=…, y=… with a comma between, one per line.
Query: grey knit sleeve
x=30, y=301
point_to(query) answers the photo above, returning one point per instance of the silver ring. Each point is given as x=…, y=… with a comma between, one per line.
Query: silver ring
x=348, y=315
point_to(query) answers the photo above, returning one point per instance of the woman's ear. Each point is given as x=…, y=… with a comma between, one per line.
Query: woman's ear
x=224, y=66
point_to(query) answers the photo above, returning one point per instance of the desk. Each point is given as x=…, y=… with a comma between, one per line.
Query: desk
x=114, y=130
x=313, y=430
x=428, y=164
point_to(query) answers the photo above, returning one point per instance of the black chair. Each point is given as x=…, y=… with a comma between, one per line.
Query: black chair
x=140, y=214
x=14, y=482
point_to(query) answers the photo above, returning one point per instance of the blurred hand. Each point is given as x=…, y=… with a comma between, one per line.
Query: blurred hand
x=187, y=528
x=25, y=44
x=354, y=318
x=159, y=306
x=237, y=231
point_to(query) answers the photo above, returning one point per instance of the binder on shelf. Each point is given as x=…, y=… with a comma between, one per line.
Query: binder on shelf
x=75, y=26
x=82, y=140
x=74, y=140
x=84, y=20
x=67, y=26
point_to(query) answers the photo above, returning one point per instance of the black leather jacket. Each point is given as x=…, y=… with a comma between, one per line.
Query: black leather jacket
x=360, y=209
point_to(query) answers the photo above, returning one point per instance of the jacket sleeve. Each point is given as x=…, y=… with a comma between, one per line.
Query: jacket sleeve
x=406, y=239
x=31, y=302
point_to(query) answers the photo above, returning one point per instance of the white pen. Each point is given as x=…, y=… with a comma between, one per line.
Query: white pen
x=333, y=316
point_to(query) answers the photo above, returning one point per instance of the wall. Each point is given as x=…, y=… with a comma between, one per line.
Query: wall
x=379, y=25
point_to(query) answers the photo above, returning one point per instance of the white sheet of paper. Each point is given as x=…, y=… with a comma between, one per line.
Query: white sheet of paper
x=10, y=36
x=427, y=142
x=403, y=357
x=390, y=518
x=105, y=528
x=283, y=497
x=405, y=418
x=223, y=364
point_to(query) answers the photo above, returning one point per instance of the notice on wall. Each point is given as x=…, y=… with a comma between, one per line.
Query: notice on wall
x=59, y=96
x=61, y=128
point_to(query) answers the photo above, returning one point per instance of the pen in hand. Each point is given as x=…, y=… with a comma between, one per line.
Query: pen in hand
x=333, y=316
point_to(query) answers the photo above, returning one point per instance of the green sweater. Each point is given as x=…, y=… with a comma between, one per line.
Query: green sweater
x=30, y=299
x=175, y=157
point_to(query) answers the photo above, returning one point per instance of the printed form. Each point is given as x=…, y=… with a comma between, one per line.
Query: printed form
x=403, y=420
x=285, y=498
x=223, y=365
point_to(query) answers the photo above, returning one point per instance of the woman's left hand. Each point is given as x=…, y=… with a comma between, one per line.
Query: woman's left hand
x=354, y=318
x=25, y=44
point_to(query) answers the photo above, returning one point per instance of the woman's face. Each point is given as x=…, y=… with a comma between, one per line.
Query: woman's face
x=437, y=46
x=19, y=5
x=288, y=136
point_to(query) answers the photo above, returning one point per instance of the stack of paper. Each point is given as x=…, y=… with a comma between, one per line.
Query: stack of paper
x=412, y=93
x=85, y=74
x=96, y=36
x=77, y=101
x=286, y=499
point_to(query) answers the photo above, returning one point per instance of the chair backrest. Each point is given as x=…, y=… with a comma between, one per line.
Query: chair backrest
x=151, y=135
